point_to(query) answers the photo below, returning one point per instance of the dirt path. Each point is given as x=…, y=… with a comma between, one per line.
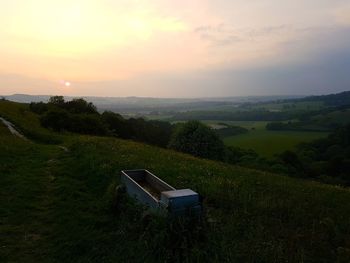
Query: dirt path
x=12, y=129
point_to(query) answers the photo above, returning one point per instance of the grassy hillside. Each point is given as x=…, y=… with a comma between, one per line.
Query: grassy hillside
x=27, y=122
x=57, y=206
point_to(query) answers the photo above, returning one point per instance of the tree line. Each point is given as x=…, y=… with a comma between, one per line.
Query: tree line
x=82, y=117
x=79, y=116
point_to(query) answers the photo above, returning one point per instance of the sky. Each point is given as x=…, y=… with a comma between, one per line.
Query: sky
x=182, y=48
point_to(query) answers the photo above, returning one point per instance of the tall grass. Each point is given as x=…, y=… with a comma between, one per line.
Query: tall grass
x=58, y=206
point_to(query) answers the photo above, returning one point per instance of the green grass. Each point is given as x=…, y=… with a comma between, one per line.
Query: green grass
x=27, y=122
x=25, y=198
x=56, y=206
x=267, y=143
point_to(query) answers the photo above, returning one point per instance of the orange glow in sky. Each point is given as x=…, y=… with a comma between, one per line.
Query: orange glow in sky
x=94, y=41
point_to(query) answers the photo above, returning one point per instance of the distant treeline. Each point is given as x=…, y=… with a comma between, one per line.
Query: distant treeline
x=331, y=100
x=299, y=126
x=338, y=99
x=326, y=119
x=260, y=115
x=82, y=117
x=252, y=115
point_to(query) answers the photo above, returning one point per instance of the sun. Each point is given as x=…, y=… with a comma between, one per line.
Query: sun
x=67, y=83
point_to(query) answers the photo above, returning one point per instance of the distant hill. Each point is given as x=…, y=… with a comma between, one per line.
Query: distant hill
x=148, y=104
x=338, y=99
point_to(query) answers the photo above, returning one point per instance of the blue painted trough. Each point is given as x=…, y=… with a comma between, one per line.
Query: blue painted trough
x=149, y=190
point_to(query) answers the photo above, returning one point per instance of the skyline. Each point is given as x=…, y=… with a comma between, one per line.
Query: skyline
x=174, y=49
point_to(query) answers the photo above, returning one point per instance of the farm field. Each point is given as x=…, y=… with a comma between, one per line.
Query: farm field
x=267, y=143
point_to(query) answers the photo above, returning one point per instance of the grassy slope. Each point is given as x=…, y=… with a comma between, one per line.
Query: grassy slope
x=27, y=122
x=55, y=207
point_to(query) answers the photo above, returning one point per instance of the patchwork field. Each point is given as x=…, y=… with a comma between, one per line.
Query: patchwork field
x=265, y=142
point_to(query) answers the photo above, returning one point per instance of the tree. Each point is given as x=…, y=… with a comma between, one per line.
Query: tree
x=39, y=107
x=56, y=119
x=62, y=120
x=116, y=124
x=80, y=106
x=57, y=100
x=197, y=139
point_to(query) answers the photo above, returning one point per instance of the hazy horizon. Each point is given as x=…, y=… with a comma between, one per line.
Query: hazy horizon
x=171, y=98
x=167, y=49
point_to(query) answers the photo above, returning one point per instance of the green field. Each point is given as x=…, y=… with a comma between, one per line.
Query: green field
x=267, y=143
x=59, y=206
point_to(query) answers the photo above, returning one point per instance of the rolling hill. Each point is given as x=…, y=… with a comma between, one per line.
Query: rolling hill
x=58, y=205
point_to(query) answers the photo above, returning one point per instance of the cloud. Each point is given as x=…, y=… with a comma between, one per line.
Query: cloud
x=179, y=48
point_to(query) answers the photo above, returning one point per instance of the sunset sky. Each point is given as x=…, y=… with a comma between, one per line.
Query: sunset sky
x=182, y=48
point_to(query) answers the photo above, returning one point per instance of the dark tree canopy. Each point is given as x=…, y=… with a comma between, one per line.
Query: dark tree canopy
x=80, y=106
x=81, y=116
x=57, y=100
x=197, y=139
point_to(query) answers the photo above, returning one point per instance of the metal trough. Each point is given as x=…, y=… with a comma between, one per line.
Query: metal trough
x=149, y=190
